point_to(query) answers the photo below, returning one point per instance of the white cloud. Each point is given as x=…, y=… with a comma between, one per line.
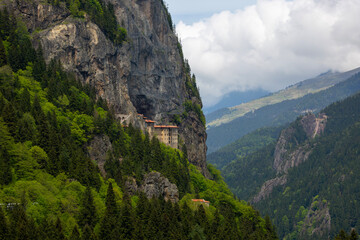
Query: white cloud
x=271, y=45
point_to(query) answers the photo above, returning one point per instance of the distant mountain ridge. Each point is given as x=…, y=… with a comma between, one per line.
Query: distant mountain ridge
x=313, y=85
x=282, y=107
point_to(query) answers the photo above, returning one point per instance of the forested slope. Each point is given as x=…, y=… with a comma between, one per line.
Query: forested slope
x=51, y=188
x=317, y=194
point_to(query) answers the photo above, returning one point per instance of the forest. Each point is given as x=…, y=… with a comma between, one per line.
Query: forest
x=327, y=181
x=51, y=189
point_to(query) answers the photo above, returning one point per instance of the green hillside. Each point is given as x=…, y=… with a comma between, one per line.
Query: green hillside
x=320, y=196
x=244, y=146
x=51, y=189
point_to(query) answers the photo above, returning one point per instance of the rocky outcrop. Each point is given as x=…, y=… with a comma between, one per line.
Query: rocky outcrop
x=317, y=221
x=268, y=187
x=143, y=75
x=286, y=160
x=98, y=149
x=312, y=125
x=289, y=152
x=154, y=185
x=292, y=149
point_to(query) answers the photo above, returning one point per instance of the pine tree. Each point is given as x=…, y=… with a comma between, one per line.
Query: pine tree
x=342, y=235
x=75, y=234
x=88, y=234
x=3, y=58
x=58, y=230
x=4, y=229
x=354, y=235
x=109, y=225
x=19, y=223
x=87, y=211
x=126, y=221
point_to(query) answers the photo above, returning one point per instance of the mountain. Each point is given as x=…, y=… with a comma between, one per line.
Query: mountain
x=138, y=70
x=232, y=99
x=286, y=110
x=70, y=71
x=313, y=85
x=244, y=146
x=307, y=180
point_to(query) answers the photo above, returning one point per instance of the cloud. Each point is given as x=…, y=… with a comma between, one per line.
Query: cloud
x=271, y=45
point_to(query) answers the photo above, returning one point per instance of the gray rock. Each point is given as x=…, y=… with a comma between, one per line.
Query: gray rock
x=155, y=185
x=268, y=187
x=98, y=149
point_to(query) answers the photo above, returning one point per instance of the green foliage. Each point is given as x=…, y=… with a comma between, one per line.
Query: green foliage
x=47, y=119
x=244, y=146
x=194, y=107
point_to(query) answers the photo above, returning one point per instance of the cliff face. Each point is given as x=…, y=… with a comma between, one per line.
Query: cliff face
x=292, y=149
x=143, y=75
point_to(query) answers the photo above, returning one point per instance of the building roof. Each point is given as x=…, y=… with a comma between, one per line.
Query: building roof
x=165, y=126
x=200, y=200
x=149, y=121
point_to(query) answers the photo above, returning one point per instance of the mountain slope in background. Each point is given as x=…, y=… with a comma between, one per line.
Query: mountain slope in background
x=280, y=113
x=232, y=99
x=308, y=180
x=313, y=85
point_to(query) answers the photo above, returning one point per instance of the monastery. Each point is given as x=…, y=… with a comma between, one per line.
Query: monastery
x=167, y=134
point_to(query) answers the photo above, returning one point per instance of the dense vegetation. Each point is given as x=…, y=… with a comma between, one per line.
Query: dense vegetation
x=51, y=189
x=280, y=113
x=244, y=146
x=329, y=179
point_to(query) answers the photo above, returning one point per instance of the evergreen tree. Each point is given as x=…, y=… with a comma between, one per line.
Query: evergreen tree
x=88, y=234
x=354, y=235
x=3, y=58
x=58, y=231
x=342, y=235
x=19, y=223
x=4, y=229
x=87, y=211
x=109, y=225
x=126, y=221
x=75, y=235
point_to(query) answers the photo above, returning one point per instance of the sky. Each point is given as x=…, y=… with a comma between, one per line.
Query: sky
x=241, y=45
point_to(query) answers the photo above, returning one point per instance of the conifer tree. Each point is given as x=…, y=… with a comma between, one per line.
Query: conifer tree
x=3, y=58
x=87, y=211
x=342, y=235
x=354, y=235
x=4, y=230
x=19, y=223
x=88, y=234
x=75, y=234
x=126, y=221
x=58, y=230
x=109, y=225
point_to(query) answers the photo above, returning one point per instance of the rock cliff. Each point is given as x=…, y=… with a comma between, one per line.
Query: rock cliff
x=146, y=74
x=292, y=148
x=154, y=185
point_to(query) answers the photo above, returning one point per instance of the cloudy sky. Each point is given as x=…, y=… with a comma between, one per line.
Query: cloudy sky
x=240, y=45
